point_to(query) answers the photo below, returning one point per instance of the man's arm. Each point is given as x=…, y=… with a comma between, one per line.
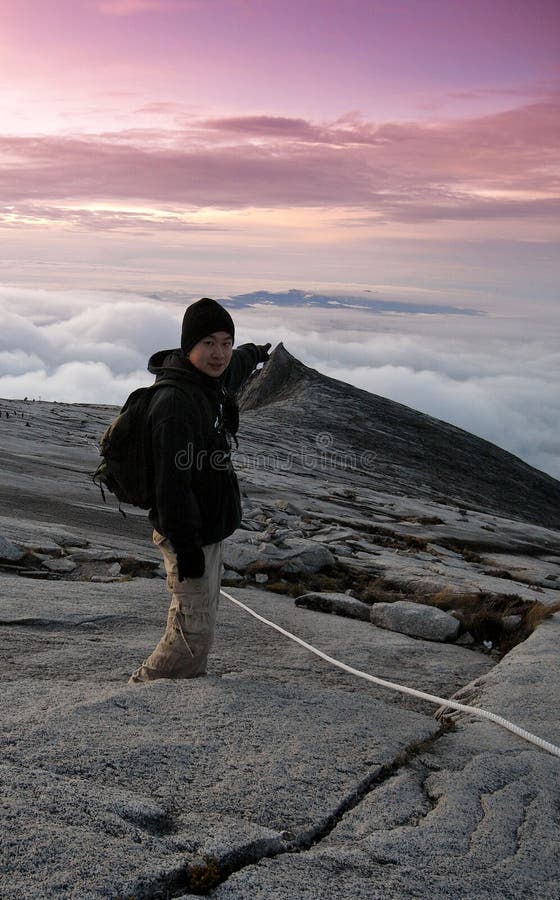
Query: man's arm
x=244, y=361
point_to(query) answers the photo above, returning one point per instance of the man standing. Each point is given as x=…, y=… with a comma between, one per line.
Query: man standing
x=191, y=424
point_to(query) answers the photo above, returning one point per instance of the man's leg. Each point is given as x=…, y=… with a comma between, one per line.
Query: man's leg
x=183, y=650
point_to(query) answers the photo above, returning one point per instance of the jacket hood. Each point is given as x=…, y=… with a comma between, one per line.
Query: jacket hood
x=167, y=362
x=174, y=364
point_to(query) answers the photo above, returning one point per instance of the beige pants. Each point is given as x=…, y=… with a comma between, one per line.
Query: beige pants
x=183, y=650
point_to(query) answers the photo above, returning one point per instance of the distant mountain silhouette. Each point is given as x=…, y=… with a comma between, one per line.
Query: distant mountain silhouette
x=367, y=303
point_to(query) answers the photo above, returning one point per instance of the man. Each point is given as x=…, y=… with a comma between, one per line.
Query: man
x=197, y=503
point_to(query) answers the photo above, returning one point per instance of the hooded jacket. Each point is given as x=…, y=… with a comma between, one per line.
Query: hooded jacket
x=191, y=426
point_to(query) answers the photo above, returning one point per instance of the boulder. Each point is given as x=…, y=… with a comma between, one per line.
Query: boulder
x=229, y=576
x=305, y=556
x=332, y=602
x=510, y=623
x=62, y=565
x=10, y=552
x=96, y=554
x=416, y=620
x=297, y=555
x=341, y=550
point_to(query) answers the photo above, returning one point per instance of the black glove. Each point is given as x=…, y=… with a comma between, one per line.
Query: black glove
x=262, y=350
x=190, y=562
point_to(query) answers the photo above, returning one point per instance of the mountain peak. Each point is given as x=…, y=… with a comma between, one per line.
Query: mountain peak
x=409, y=452
x=282, y=375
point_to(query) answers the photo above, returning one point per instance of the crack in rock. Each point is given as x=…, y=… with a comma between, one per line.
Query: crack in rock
x=62, y=624
x=202, y=877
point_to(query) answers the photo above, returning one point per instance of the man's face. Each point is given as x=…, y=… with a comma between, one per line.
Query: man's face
x=212, y=354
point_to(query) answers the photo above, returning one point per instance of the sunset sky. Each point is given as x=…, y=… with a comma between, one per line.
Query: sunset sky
x=408, y=148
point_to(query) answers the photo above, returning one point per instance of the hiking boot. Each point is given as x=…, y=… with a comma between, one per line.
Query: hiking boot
x=144, y=674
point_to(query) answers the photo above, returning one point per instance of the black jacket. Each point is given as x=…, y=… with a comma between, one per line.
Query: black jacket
x=197, y=498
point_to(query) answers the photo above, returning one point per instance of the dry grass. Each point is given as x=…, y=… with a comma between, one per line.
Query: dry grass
x=423, y=520
x=338, y=579
x=481, y=613
x=382, y=590
x=205, y=876
x=137, y=568
x=539, y=612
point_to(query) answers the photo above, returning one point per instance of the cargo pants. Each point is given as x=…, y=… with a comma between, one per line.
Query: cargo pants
x=183, y=650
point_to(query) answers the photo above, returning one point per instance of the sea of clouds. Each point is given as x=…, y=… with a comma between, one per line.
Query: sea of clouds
x=493, y=375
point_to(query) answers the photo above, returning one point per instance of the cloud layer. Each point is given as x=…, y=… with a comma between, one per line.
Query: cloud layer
x=497, y=378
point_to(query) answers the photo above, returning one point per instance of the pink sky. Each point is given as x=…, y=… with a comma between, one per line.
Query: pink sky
x=243, y=144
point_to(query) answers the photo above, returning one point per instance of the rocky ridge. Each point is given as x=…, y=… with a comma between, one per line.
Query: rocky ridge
x=346, y=789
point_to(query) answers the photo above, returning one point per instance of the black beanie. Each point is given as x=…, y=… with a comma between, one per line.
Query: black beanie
x=203, y=318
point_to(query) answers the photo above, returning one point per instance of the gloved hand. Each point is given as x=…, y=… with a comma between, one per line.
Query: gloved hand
x=263, y=352
x=190, y=562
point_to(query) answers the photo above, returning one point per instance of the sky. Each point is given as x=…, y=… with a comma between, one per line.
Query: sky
x=155, y=151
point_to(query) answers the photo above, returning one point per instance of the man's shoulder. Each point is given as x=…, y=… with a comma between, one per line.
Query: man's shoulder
x=169, y=395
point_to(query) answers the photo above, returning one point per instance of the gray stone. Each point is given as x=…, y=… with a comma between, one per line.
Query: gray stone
x=9, y=551
x=297, y=556
x=465, y=640
x=416, y=620
x=115, y=569
x=261, y=577
x=93, y=554
x=62, y=565
x=306, y=557
x=231, y=576
x=66, y=538
x=334, y=534
x=511, y=623
x=341, y=550
x=332, y=602
x=290, y=508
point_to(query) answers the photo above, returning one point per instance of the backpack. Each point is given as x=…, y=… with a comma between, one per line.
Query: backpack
x=126, y=468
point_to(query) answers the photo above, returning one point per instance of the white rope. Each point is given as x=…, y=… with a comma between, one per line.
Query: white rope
x=431, y=698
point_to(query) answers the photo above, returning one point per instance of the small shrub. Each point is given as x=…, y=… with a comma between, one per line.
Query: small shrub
x=204, y=876
x=410, y=540
x=470, y=555
x=481, y=614
x=499, y=573
x=423, y=520
x=137, y=568
x=538, y=612
x=381, y=590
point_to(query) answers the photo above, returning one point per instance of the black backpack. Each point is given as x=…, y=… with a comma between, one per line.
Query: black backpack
x=126, y=468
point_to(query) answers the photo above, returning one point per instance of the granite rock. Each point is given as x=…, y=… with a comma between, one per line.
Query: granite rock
x=10, y=552
x=415, y=619
x=332, y=602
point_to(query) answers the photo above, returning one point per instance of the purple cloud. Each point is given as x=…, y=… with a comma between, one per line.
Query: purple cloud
x=410, y=172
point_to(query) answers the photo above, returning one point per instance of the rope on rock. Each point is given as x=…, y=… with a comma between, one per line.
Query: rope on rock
x=431, y=698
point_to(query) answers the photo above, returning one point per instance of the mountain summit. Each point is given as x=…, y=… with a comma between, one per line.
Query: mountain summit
x=408, y=452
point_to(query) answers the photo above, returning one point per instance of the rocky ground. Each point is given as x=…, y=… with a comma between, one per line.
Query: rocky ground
x=277, y=775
